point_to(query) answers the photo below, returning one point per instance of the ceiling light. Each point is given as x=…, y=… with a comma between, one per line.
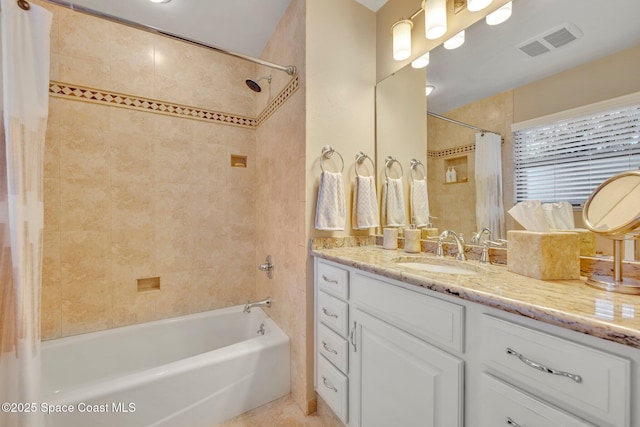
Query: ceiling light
x=435, y=18
x=476, y=5
x=421, y=62
x=159, y=1
x=455, y=41
x=402, y=39
x=500, y=15
x=428, y=89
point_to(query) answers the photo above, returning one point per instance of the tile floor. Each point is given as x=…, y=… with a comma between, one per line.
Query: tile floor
x=283, y=413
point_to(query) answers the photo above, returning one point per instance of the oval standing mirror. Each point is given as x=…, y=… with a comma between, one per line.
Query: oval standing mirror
x=613, y=210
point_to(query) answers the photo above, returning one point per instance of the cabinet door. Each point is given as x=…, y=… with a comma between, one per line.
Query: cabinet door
x=400, y=380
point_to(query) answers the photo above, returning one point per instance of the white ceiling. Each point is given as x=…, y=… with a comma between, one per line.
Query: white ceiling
x=242, y=26
x=489, y=62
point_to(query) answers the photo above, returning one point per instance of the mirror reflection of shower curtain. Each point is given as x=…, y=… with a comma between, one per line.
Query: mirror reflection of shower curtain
x=25, y=85
x=488, y=175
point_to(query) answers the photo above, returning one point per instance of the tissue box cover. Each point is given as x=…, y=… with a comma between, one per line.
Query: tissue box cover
x=587, y=241
x=544, y=255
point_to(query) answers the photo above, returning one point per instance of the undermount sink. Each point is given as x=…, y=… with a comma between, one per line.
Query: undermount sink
x=435, y=266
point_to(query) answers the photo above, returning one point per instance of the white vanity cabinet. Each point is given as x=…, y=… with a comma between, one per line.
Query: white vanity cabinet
x=401, y=355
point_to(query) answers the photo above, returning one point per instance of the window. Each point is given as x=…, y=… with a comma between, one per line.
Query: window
x=566, y=159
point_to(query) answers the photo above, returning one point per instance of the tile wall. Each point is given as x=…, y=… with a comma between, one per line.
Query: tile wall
x=130, y=193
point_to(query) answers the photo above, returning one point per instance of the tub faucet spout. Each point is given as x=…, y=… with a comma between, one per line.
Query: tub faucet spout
x=264, y=303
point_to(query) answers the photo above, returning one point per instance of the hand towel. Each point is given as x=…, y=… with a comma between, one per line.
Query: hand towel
x=365, y=204
x=330, y=208
x=393, y=210
x=419, y=202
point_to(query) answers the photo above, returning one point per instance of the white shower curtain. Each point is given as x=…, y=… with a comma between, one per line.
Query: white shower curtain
x=489, y=206
x=25, y=80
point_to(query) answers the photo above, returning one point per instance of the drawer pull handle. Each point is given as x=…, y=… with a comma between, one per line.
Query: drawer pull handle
x=326, y=279
x=327, y=385
x=328, y=313
x=511, y=422
x=327, y=348
x=541, y=367
x=352, y=337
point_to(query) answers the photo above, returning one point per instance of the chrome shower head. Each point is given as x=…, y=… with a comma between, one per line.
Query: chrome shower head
x=253, y=84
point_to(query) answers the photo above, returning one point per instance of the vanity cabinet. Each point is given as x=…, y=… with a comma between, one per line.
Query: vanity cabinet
x=402, y=355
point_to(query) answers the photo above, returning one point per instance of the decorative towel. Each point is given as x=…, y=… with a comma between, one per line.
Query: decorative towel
x=419, y=202
x=393, y=210
x=330, y=209
x=365, y=204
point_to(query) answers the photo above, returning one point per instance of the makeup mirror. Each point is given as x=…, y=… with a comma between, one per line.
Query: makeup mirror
x=613, y=211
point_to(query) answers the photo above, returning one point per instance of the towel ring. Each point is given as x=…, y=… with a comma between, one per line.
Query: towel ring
x=414, y=168
x=360, y=158
x=388, y=162
x=327, y=153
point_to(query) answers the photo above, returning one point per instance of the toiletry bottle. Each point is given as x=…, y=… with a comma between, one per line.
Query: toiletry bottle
x=454, y=174
x=447, y=177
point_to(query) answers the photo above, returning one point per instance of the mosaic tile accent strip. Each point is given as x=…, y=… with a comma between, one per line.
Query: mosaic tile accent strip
x=284, y=94
x=452, y=151
x=98, y=96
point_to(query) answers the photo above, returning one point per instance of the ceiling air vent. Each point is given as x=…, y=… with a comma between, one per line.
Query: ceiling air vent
x=550, y=40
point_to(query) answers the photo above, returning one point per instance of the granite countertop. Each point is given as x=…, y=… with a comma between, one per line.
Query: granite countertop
x=570, y=304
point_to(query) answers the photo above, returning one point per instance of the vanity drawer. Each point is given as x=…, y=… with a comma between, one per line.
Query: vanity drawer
x=334, y=313
x=333, y=347
x=503, y=405
x=586, y=381
x=333, y=280
x=432, y=319
x=333, y=388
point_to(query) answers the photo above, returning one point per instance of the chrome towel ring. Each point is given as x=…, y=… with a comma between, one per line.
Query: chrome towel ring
x=360, y=158
x=388, y=162
x=414, y=168
x=327, y=153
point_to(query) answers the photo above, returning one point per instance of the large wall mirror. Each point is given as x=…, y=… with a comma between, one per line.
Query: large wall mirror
x=502, y=75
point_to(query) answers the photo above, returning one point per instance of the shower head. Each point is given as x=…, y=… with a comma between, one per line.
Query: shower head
x=253, y=84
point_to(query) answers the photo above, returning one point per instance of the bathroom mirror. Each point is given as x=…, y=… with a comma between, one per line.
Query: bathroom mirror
x=499, y=85
x=613, y=209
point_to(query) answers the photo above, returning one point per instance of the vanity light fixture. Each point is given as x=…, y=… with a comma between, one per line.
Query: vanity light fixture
x=421, y=62
x=476, y=5
x=500, y=15
x=428, y=89
x=455, y=41
x=401, y=31
x=435, y=18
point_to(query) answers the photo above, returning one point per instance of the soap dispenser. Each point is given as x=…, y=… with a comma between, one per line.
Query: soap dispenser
x=412, y=238
x=447, y=177
x=430, y=230
x=454, y=174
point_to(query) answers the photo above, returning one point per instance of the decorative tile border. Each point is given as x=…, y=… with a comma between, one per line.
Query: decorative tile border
x=452, y=151
x=98, y=96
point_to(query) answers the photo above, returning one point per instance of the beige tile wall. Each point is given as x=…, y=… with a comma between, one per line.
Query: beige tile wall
x=454, y=204
x=133, y=194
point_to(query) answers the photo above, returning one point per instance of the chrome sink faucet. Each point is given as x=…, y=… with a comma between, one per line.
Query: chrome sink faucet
x=459, y=241
x=264, y=303
x=476, y=238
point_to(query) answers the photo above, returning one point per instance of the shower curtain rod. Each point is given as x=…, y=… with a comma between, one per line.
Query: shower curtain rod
x=289, y=69
x=447, y=119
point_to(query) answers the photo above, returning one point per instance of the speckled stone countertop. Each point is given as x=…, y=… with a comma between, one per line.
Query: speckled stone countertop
x=570, y=304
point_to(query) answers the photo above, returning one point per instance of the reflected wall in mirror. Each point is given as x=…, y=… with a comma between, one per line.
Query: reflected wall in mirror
x=494, y=84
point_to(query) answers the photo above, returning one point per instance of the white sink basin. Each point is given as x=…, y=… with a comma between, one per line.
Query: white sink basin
x=438, y=268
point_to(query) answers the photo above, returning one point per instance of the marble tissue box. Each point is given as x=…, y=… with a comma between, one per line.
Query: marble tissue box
x=544, y=255
x=587, y=241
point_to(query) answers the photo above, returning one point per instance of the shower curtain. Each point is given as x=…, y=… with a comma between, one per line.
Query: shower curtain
x=25, y=80
x=489, y=207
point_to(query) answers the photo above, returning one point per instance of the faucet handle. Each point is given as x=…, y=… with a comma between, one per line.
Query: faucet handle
x=440, y=250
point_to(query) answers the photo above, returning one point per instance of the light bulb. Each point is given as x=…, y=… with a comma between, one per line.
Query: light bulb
x=402, y=39
x=435, y=18
x=500, y=15
x=455, y=41
x=421, y=62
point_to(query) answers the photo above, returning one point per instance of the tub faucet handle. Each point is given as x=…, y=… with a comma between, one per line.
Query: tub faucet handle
x=267, y=266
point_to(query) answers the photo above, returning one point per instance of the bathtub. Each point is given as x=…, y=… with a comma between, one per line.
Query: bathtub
x=190, y=371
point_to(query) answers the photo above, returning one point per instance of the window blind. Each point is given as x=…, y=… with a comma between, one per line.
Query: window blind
x=566, y=160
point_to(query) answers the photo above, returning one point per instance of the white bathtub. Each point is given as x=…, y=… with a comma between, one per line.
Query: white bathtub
x=189, y=371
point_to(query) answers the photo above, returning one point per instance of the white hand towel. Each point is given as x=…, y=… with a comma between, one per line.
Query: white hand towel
x=330, y=208
x=393, y=210
x=365, y=204
x=419, y=202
